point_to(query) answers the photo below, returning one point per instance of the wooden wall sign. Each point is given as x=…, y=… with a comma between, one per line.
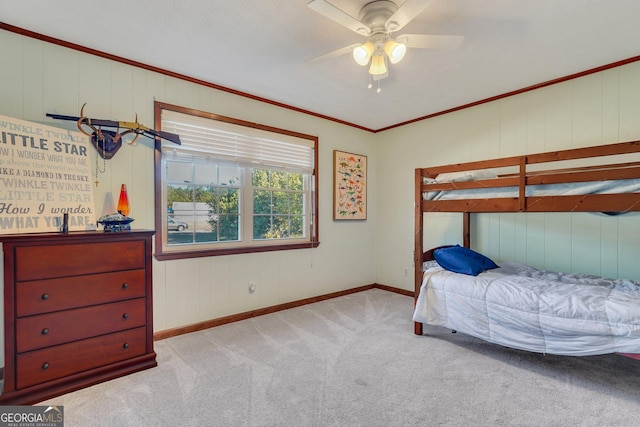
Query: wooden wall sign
x=45, y=172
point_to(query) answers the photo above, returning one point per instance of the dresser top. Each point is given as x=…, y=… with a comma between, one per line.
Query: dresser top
x=76, y=236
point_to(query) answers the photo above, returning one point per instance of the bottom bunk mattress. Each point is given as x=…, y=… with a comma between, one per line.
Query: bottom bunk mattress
x=521, y=307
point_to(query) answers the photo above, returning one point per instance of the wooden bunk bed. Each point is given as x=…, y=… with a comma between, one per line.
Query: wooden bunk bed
x=543, y=182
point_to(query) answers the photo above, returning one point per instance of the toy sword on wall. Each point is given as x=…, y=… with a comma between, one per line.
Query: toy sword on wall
x=107, y=142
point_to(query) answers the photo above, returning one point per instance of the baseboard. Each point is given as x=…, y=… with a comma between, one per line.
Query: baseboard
x=168, y=333
x=394, y=289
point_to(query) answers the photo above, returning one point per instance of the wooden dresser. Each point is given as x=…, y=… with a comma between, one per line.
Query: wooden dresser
x=77, y=311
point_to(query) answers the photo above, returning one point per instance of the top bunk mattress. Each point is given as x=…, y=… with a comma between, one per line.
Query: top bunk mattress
x=564, y=189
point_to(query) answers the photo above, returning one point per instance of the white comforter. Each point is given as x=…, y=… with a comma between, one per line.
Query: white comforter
x=520, y=307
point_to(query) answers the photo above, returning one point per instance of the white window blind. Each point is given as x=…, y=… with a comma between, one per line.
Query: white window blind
x=232, y=143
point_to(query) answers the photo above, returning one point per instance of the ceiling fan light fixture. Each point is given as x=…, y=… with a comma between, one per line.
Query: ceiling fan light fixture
x=395, y=50
x=362, y=53
x=378, y=65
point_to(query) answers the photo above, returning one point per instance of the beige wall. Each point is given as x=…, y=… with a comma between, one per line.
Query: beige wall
x=601, y=108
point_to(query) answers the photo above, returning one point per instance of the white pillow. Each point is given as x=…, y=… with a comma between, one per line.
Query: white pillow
x=430, y=264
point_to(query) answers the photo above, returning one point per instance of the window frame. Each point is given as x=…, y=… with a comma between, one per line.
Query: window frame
x=160, y=210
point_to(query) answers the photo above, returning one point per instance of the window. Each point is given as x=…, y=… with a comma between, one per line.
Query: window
x=232, y=186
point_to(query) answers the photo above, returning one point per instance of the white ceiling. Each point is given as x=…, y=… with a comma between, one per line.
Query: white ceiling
x=260, y=46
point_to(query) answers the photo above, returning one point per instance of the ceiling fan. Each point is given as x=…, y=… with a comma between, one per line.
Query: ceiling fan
x=376, y=21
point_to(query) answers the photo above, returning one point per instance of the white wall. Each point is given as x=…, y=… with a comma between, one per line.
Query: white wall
x=601, y=108
x=37, y=78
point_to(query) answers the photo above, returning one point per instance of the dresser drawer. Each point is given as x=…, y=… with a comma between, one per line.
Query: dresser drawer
x=56, y=362
x=43, y=296
x=45, y=330
x=48, y=262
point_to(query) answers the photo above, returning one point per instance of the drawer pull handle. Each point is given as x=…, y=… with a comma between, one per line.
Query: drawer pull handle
x=45, y=331
x=125, y=345
x=45, y=366
x=125, y=285
x=125, y=316
x=45, y=297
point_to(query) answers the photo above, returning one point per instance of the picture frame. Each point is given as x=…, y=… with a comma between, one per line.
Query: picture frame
x=349, y=186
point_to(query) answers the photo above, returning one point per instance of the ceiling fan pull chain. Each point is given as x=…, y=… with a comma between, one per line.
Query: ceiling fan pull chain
x=379, y=89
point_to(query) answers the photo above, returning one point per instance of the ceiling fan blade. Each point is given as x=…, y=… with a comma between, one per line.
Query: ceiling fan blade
x=425, y=41
x=333, y=54
x=325, y=8
x=405, y=13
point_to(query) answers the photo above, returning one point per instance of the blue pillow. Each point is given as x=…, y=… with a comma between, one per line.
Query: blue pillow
x=463, y=260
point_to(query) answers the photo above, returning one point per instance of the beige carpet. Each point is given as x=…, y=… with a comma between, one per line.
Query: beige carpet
x=354, y=361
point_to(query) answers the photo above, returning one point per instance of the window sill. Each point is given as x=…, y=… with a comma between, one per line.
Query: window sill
x=165, y=256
